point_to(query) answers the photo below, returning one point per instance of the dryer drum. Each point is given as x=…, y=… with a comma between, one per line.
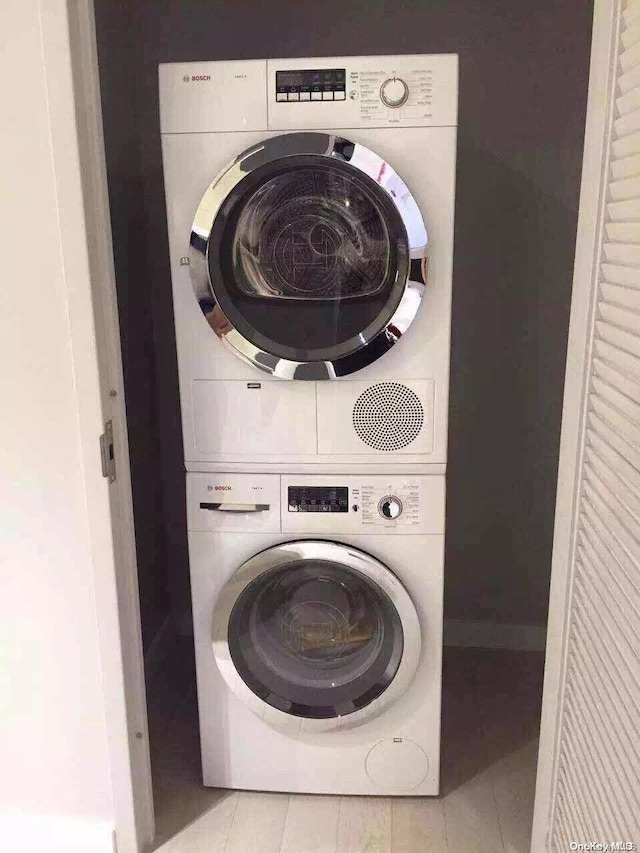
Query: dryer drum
x=311, y=233
x=308, y=256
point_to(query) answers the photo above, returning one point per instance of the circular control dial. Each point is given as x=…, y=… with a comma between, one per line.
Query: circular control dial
x=394, y=92
x=390, y=507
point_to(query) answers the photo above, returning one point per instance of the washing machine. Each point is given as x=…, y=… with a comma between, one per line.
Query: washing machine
x=317, y=605
x=310, y=217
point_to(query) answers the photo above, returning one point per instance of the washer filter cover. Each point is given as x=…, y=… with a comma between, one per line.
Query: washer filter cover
x=397, y=764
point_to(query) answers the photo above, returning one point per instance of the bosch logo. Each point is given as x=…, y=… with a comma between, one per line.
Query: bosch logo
x=197, y=78
x=186, y=78
x=223, y=488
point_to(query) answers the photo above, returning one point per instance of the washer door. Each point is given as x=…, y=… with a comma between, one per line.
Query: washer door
x=308, y=256
x=316, y=631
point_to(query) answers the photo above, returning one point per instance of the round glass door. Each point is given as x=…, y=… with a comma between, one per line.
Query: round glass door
x=314, y=630
x=308, y=256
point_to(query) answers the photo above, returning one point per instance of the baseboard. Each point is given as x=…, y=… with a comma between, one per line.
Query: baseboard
x=52, y=834
x=494, y=635
x=158, y=649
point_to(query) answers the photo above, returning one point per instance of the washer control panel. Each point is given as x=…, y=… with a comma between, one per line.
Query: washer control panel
x=309, y=504
x=376, y=504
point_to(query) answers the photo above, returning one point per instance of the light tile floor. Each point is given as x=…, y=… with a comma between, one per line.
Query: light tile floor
x=490, y=721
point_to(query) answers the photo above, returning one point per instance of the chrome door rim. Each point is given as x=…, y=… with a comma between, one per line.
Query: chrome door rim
x=345, y=555
x=359, y=158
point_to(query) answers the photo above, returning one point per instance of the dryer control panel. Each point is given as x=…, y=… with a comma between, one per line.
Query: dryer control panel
x=362, y=91
x=321, y=93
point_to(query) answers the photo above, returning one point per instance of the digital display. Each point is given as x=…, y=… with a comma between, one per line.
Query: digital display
x=286, y=79
x=318, y=499
x=322, y=84
x=333, y=77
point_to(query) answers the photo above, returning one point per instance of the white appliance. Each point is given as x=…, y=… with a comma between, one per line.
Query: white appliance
x=317, y=604
x=310, y=214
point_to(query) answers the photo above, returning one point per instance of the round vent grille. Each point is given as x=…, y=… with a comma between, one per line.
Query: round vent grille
x=388, y=416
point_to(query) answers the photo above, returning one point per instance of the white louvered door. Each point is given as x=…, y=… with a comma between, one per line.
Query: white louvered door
x=588, y=787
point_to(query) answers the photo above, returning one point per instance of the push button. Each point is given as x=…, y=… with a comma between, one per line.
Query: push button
x=316, y=96
x=327, y=96
x=339, y=96
x=281, y=96
x=293, y=96
x=304, y=96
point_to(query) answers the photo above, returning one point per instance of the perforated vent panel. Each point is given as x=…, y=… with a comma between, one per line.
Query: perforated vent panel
x=388, y=416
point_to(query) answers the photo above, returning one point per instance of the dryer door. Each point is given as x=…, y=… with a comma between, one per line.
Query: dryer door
x=316, y=631
x=308, y=256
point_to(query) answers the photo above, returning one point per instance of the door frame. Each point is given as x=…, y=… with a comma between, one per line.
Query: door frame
x=600, y=103
x=69, y=46
x=75, y=117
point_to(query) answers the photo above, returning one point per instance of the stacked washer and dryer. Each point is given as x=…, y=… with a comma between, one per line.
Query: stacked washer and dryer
x=310, y=213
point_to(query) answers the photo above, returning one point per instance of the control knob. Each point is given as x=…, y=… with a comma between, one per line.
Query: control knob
x=394, y=92
x=390, y=507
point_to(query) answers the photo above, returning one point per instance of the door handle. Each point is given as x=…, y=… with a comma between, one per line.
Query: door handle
x=228, y=507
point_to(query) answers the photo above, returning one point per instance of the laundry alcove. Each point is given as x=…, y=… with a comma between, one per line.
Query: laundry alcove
x=523, y=87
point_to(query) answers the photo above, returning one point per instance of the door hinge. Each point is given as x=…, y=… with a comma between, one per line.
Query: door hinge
x=107, y=453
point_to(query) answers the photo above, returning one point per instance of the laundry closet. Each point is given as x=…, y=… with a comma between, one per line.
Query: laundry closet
x=282, y=200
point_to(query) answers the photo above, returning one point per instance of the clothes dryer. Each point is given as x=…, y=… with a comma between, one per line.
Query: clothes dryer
x=310, y=217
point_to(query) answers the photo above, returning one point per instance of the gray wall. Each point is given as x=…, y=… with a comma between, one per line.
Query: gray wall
x=119, y=69
x=523, y=84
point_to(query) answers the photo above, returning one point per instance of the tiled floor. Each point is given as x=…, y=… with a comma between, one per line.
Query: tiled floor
x=491, y=708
